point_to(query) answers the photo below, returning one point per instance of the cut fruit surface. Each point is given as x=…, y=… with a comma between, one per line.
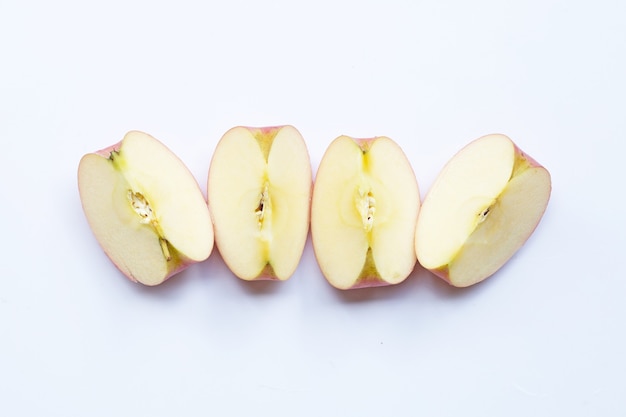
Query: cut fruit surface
x=145, y=208
x=259, y=189
x=483, y=206
x=363, y=214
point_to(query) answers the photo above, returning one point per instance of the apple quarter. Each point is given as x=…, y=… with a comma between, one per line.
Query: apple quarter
x=363, y=214
x=145, y=208
x=482, y=207
x=259, y=192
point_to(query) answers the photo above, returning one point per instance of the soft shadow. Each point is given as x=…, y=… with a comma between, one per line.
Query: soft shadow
x=408, y=287
x=444, y=291
x=260, y=287
x=215, y=267
x=420, y=282
x=170, y=289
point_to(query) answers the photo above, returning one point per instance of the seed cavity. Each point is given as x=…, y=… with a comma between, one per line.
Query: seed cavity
x=141, y=206
x=263, y=202
x=146, y=216
x=366, y=206
x=483, y=215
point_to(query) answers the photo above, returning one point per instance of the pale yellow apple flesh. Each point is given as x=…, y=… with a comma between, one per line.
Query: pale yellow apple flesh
x=145, y=208
x=481, y=209
x=363, y=214
x=259, y=190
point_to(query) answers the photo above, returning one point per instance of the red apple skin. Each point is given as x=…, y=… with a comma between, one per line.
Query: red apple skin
x=520, y=156
x=183, y=263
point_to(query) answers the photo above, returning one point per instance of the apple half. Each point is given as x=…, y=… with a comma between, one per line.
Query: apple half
x=483, y=206
x=363, y=214
x=145, y=208
x=259, y=192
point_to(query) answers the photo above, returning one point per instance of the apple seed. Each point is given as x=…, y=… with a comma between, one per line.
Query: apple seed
x=483, y=215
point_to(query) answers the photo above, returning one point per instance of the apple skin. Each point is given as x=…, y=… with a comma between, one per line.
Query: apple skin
x=178, y=262
x=524, y=161
x=265, y=136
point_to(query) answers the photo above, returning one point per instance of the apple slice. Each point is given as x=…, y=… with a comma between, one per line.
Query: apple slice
x=145, y=208
x=259, y=189
x=481, y=209
x=363, y=214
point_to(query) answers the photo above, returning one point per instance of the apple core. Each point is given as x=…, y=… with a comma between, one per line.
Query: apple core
x=264, y=202
x=366, y=206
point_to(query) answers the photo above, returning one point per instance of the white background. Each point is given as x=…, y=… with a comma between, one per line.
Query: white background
x=542, y=337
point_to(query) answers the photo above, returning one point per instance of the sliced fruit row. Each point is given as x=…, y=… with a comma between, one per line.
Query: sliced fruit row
x=148, y=213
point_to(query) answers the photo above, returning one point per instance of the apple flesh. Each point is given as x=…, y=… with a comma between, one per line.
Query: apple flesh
x=145, y=208
x=483, y=206
x=259, y=191
x=363, y=215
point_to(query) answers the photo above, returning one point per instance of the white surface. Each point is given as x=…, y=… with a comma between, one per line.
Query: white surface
x=543, y=337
